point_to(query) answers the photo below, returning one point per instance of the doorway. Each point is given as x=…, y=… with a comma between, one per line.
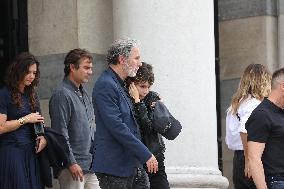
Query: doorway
x=13, y=32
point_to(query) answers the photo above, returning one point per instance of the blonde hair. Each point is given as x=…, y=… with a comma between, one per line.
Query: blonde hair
x=256, y=81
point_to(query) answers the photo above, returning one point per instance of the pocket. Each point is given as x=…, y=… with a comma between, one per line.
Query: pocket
x=276, y=182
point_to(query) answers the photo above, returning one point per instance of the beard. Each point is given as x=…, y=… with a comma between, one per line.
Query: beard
x=129, y=70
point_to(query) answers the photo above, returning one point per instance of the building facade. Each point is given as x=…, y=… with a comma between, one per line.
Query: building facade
x=249, y=32
x=177, y=38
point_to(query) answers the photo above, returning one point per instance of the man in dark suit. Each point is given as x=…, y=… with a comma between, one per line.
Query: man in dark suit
x=118, y=149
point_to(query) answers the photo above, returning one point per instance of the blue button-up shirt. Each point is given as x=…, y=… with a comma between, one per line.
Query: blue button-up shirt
x=72, y=114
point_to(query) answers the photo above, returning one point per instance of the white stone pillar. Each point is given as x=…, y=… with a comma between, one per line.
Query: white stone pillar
x=280, y=33
x=177, y=38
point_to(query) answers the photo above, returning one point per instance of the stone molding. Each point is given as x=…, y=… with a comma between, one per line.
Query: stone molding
x=196, y=177
x=236, y=9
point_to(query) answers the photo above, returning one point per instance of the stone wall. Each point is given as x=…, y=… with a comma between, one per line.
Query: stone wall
x=248, y=32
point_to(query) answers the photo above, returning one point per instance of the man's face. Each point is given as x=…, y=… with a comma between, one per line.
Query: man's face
x=132, y=63
x=84, y=72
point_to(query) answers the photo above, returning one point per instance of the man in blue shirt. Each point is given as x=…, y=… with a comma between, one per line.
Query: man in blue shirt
x=72, y=115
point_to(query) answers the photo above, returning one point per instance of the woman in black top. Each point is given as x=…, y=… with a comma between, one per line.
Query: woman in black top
x=144, y=103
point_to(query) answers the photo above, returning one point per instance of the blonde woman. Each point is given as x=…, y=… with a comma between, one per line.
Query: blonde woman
x=254, y=85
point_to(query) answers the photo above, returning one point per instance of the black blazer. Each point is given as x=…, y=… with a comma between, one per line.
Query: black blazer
x=55, y=155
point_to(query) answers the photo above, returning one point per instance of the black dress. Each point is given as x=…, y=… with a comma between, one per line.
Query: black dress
x=19, y=168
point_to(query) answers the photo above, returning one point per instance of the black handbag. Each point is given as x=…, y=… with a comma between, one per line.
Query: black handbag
x=164, y=123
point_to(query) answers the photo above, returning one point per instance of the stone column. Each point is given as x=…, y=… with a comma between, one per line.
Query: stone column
x=177, y=38
x=280, y=33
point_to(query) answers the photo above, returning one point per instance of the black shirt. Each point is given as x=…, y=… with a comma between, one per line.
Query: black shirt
x=122, y=83
x=266, y=125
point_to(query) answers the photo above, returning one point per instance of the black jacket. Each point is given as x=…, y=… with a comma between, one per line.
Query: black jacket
x=55, y=155
x=143, y=112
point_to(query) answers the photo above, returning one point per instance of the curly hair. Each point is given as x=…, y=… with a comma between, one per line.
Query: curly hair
x=16, y=73
x=144, y=74
x=255, y=81
x=121, y=47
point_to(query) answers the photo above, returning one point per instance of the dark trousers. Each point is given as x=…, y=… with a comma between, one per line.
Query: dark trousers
x=239, y=179
x=107, y=181
x=139, y=180
x=159, y=180
x=275, y=182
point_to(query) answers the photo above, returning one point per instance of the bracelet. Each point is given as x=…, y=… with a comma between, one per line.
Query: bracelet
x=27, y=119
x=22, y=121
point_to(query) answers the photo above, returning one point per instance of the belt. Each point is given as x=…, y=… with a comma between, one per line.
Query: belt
x=239, y=151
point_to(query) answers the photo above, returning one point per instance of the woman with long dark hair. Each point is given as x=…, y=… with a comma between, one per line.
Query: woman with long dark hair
x=19, y=111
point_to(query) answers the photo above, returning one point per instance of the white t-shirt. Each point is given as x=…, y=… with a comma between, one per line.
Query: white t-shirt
x=234, y=126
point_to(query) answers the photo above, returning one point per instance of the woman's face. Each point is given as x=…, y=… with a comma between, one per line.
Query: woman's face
x=143, y=89
x=29, y=78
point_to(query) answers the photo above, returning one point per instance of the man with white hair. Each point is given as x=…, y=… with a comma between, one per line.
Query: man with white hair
x=265, y=129
x=119, y=154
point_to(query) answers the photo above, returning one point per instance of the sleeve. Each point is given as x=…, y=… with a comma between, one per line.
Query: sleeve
x=232, y=124
x=258, y=126
x=105, y=101
x=244, y=115
x=151, y=97
x=60, y=114
x=4, y=100
x=141, y=115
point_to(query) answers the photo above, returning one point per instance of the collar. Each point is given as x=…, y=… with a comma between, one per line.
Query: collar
x=71, y=85
x=271, y=105
x=121, y=82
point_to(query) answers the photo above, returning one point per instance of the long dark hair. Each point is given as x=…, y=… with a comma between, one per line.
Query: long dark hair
x=16, y=74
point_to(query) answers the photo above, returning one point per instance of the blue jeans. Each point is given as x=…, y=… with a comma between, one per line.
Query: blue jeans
x=275, y=182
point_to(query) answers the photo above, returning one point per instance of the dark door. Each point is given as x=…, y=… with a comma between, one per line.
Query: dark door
x=13, y=32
